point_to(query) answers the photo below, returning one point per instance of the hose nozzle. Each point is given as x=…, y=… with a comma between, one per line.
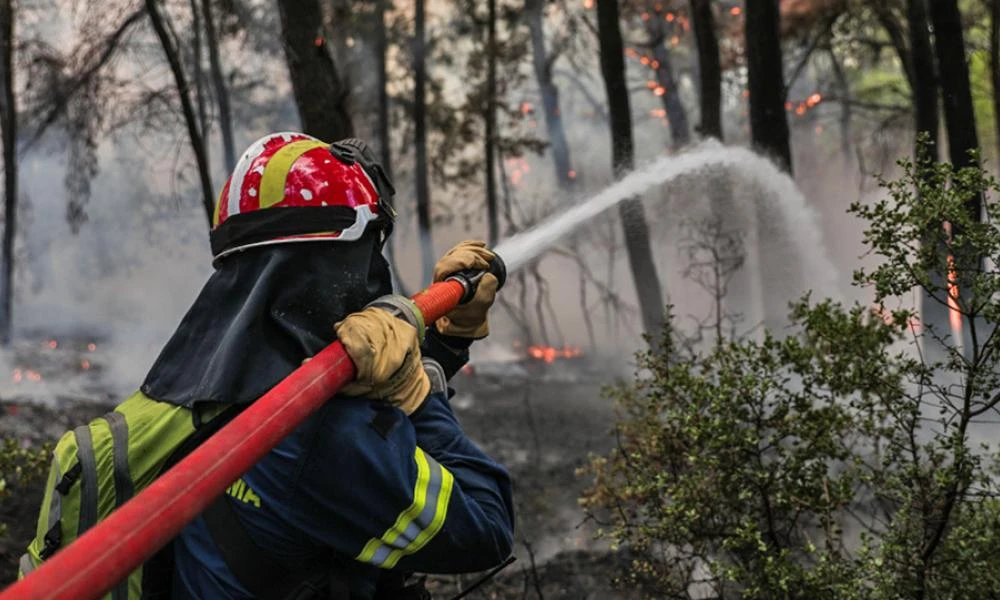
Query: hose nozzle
x=470, y=278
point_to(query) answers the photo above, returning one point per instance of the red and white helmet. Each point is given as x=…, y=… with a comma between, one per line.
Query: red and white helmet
x=290, y=187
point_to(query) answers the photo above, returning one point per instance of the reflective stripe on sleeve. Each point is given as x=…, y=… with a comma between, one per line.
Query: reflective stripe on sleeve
x=420, y=522
x=88, y=480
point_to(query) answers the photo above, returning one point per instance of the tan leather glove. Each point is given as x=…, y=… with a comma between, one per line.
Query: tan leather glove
x=468, y=320
x=386, y=353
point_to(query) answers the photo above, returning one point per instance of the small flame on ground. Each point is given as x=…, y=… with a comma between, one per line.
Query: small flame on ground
x=53, y=344
x=572, y=174
x=85, y=364
x=659, y=91
x=736, y=11
x=549, y=354
x=91, y=346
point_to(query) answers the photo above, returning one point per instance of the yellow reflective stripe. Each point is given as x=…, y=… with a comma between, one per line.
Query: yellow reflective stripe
x=272, y=182
x=440, y=513
x=218, y=207
x=405, y=517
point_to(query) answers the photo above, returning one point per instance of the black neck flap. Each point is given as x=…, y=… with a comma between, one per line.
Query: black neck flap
x=260, y=314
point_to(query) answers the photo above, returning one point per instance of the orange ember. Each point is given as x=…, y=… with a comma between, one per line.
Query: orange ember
x=572, y=174
x=814, y=100
x=660, y=90
x=549, y=354
x=651, y=84
x=91, y=346
x=53, y=344
x=670, y=17
x=736, y=11
x=85, y=365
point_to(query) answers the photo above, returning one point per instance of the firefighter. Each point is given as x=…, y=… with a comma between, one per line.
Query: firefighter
x=381, y=481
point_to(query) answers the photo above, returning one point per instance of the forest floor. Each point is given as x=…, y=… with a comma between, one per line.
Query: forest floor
x=540, y=421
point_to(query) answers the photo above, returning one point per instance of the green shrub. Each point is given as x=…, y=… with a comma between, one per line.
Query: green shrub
x=840, y=461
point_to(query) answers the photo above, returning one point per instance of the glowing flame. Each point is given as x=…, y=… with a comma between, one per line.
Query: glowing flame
x=85, y=364
x=675, y=40
x=660, y=90
x=670, y=17
x=33, y=375
x=53, y=344
x=91, y=346
x=631, y=52
x=658, y=112
x=814, y=100
x=954, y=313
x=800, y=110
x=526, y=108
x=588, y=4
x=549, y=354
x=736, y=11
x=572, y=174
x=644, y=60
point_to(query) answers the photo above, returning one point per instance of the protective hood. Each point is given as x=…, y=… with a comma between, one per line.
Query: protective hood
x=260, y=314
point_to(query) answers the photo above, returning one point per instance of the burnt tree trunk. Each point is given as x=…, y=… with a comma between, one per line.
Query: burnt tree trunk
x=320, y=93
x=640, y=253
x=768, y=121
x=924, y=81
x=219, y=86
x=190, y=118
x=960, y=123
x=995, y=67
x=420, y=140
x=8, y=130
x=956, y=92
x=703, y=23
x=680, y=129
x=924, y=84
x=492, y=222
x=542, y=62
x=384, y=126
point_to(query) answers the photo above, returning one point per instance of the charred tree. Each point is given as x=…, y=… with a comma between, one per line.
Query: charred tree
x=219, y=86
x=924, y=84
x=8, y=130
x=543, y=62
x=190, y=118
x=640, y=253
x=680, y=130
x=956, y=92
x=710, y=66
x=492, y=221
x=319, y=91
x=768, y=121
x=924, y=79
x=995, y=66
x=385, y=149
x=420, y=140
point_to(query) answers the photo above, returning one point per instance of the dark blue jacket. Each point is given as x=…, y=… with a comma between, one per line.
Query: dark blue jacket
x=381, y=489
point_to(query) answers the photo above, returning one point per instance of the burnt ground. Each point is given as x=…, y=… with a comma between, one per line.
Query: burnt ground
x=540, y=421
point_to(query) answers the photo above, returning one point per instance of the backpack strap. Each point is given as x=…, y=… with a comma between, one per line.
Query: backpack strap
x=259, y=572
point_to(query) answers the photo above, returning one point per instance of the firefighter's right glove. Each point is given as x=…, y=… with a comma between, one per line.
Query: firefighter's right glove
x=468, y=320
x=386, y=353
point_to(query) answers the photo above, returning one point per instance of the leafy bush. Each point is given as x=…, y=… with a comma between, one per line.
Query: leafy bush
x=841, y=461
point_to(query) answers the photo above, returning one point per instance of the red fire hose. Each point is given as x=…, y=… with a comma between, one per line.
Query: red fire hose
x=107, y=553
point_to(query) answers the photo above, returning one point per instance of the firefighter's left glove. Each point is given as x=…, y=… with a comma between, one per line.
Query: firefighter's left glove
x=386, y=353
